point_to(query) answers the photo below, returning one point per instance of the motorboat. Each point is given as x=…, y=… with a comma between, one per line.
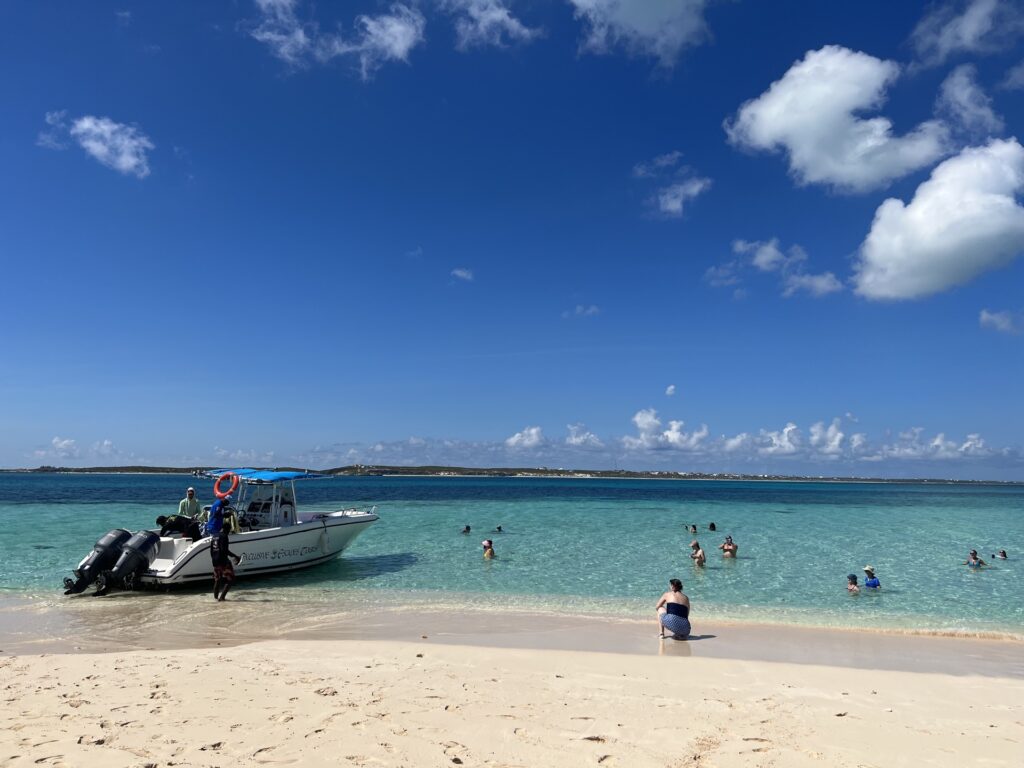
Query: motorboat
x=272, y=536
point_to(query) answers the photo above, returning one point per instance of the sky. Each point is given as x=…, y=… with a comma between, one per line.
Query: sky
x=680, y=235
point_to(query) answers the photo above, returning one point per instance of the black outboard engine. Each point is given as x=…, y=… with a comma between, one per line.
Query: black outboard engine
x=138, y=554
x=103, y=556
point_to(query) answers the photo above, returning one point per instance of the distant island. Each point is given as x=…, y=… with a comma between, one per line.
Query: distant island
x=369, y=470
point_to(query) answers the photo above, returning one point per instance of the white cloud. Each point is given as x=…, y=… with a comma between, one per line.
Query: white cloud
x=379, y=39
x=531, y=437
x=962, y=222
x=244, y=456
x=579, y=437
x=670, y=199
x=583, y=310
x=816, y=285
x=104, y=449
x=115, y=145
x=655, y=28
x=659, y=164
x=811, y=114
x=281, y=30
x=982, y=27
x=784, y=442
x=650, y=435
x=722, y=275
x=767, y=256
x=1004, y=321
x=670, y=390
x=1014, y=79
x=967, y=104
x=461, y=273
x=740, y=442
x=912, y=445
x=487, y=22
x=827, y=440
x=55, y=136
x=64, y=447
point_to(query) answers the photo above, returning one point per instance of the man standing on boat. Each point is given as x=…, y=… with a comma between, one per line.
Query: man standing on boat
x=189, y=506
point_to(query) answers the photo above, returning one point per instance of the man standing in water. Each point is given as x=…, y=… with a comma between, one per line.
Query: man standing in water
x=223, y=572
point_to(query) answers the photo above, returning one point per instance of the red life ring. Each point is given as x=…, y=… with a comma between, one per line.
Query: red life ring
x=234, y=485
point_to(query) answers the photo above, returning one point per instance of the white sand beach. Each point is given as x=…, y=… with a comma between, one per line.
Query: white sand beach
x=472, y=697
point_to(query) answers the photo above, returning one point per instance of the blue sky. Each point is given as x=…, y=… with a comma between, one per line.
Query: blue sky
x=686, y=235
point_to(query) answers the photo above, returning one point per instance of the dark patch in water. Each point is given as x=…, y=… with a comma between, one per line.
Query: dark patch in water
x=42, y=546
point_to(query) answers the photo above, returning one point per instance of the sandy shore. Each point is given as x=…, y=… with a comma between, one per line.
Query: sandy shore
x=420, y=703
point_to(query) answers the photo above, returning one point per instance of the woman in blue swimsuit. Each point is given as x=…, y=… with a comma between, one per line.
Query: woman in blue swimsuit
x=674, y=611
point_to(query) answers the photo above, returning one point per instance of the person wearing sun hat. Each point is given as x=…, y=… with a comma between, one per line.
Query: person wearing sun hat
x=488, y=549
x=870, y=580
x=189, y=506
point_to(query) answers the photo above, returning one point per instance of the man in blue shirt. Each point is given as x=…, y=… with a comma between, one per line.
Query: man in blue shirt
x=870, y=580
x=217, y=512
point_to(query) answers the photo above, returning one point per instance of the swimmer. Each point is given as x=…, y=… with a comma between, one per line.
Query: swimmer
x=693, y=529
x=973, y=561
x=697, y=554
x=728, y=547
x=870, y=580
x=851, y=584
x=1001, y=555
x=498, y=530
x=711, y=527
x=466, y=530
x=488, y=549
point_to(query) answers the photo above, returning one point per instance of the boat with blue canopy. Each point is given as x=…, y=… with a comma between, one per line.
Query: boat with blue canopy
x=268, y=532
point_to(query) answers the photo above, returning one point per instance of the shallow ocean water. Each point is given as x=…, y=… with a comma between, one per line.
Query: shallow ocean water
x=590, y=546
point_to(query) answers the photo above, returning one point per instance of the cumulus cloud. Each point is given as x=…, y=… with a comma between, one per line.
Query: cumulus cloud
x=670, y=199
x=531, y=437
x=815, y=285
x=811, y=114
x=827, y=440
x=580, y=437
x=670, y=390
x=977, y=26
x=378, y=39
x=914, y=445
x=962, y=222
x=967, y=104
x=660, y=29
x=487, y=22
x=650, y=435
x=783, y=442
x=582, y=310
x=64, y=447
x=461, y=273
x=116, y=145
x=1003, y=321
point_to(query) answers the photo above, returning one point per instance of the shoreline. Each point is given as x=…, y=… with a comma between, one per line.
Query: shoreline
x=527, y=474
x=132, y=622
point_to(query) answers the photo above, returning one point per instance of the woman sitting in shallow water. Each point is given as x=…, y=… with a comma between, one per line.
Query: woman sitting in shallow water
x=674, y=611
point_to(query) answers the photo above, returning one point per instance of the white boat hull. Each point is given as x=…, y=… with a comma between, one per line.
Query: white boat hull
x=273, y=550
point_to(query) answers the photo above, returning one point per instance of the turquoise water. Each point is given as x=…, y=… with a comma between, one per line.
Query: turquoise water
x=602, y=546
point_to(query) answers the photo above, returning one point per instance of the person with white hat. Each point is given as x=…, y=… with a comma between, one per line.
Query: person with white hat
x=870, y=580
x=189, y=506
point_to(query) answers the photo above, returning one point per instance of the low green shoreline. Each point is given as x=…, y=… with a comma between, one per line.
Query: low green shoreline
x=362, y=470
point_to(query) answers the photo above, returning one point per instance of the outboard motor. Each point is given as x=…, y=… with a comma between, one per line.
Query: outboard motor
x=138, y=554
x=103, y=556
